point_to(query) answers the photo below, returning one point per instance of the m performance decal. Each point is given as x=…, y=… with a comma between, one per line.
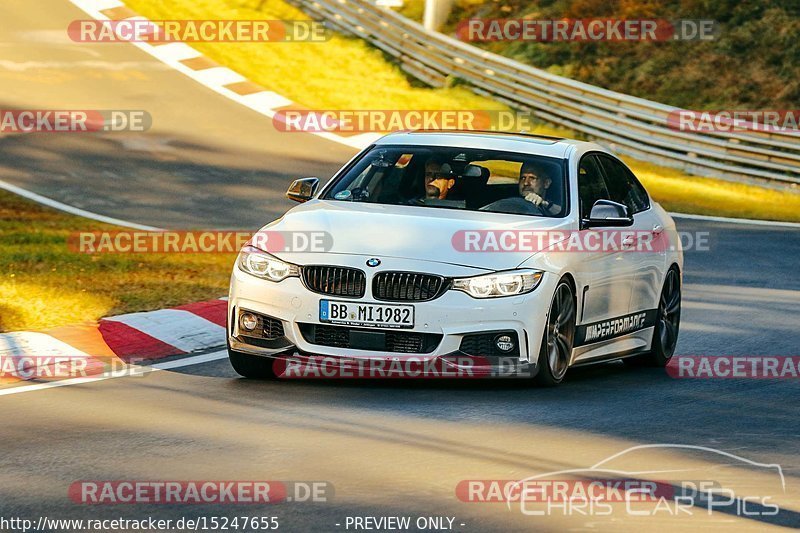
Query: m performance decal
x=615, y=327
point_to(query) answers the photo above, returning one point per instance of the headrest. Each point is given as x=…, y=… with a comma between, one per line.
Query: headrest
x=472, y=171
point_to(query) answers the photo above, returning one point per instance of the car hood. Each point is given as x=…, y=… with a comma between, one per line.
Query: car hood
x=406, y=232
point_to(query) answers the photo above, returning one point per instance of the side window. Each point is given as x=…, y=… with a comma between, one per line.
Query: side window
x=591, y=186
x=623, y=185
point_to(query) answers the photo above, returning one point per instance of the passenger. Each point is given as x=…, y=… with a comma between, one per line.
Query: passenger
x=438, y=179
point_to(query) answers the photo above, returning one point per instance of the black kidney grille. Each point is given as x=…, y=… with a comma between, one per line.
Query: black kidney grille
x=334, y=280
x=407, y=286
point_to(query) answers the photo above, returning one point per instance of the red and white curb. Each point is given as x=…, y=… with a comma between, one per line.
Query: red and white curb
x=208, y=73
x=166, y=332
x=113, y=342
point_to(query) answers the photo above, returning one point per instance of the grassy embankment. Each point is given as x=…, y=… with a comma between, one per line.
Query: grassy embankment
x=347, y=73
x=44, y=284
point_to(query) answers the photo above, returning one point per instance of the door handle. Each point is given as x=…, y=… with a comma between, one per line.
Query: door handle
x=657, y=229
x=628, y=241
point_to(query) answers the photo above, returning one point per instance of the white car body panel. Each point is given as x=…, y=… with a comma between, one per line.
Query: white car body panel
x=405, y=231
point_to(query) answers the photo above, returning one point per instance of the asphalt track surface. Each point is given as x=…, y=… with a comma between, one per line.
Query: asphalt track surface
x=388, y=448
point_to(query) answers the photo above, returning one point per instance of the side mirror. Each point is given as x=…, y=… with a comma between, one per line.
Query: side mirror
x=606, y=213
x=303, y=189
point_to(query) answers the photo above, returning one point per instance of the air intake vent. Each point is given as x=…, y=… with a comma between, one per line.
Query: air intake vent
x=390, y=341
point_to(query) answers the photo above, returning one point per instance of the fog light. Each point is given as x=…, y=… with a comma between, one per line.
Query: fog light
x=504, y=343
x=248, y=321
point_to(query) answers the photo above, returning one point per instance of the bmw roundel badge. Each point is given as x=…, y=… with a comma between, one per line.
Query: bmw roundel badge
x=373, y=262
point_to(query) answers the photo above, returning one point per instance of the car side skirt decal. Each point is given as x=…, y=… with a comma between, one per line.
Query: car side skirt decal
x=614, y=327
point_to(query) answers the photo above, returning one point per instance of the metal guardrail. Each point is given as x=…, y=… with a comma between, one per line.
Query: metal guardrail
x=627, y=124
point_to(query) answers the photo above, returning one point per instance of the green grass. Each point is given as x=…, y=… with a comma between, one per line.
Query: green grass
x=45, y=285
x=752, y=63
x=342, y=73
x=347, y=73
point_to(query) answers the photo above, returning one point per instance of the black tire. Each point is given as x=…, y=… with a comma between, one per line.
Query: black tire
x=252, y=366
x=555, y=352
x=668, y=321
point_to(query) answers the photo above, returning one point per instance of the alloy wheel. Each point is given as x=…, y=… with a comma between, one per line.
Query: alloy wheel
x=560, y=331
x=669, y=313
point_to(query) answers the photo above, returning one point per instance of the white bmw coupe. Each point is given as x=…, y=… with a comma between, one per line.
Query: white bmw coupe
x=496, y=246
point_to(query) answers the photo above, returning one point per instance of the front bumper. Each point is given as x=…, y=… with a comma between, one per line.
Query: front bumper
x=451, y=316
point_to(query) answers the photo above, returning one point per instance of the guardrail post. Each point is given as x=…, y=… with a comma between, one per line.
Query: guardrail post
x=436, y=13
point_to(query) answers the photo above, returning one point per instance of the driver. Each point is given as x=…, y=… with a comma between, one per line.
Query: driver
x=533, y=185
x=534, y=180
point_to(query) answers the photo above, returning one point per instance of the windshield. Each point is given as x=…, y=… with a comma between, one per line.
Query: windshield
x=456, y=178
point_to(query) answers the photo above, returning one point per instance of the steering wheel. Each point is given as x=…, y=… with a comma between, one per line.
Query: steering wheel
x=516, y=205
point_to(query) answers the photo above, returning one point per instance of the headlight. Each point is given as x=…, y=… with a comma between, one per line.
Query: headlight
x=500, y=284
x=262, y=265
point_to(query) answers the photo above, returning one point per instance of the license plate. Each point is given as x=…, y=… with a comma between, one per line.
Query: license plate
x=363, y=314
